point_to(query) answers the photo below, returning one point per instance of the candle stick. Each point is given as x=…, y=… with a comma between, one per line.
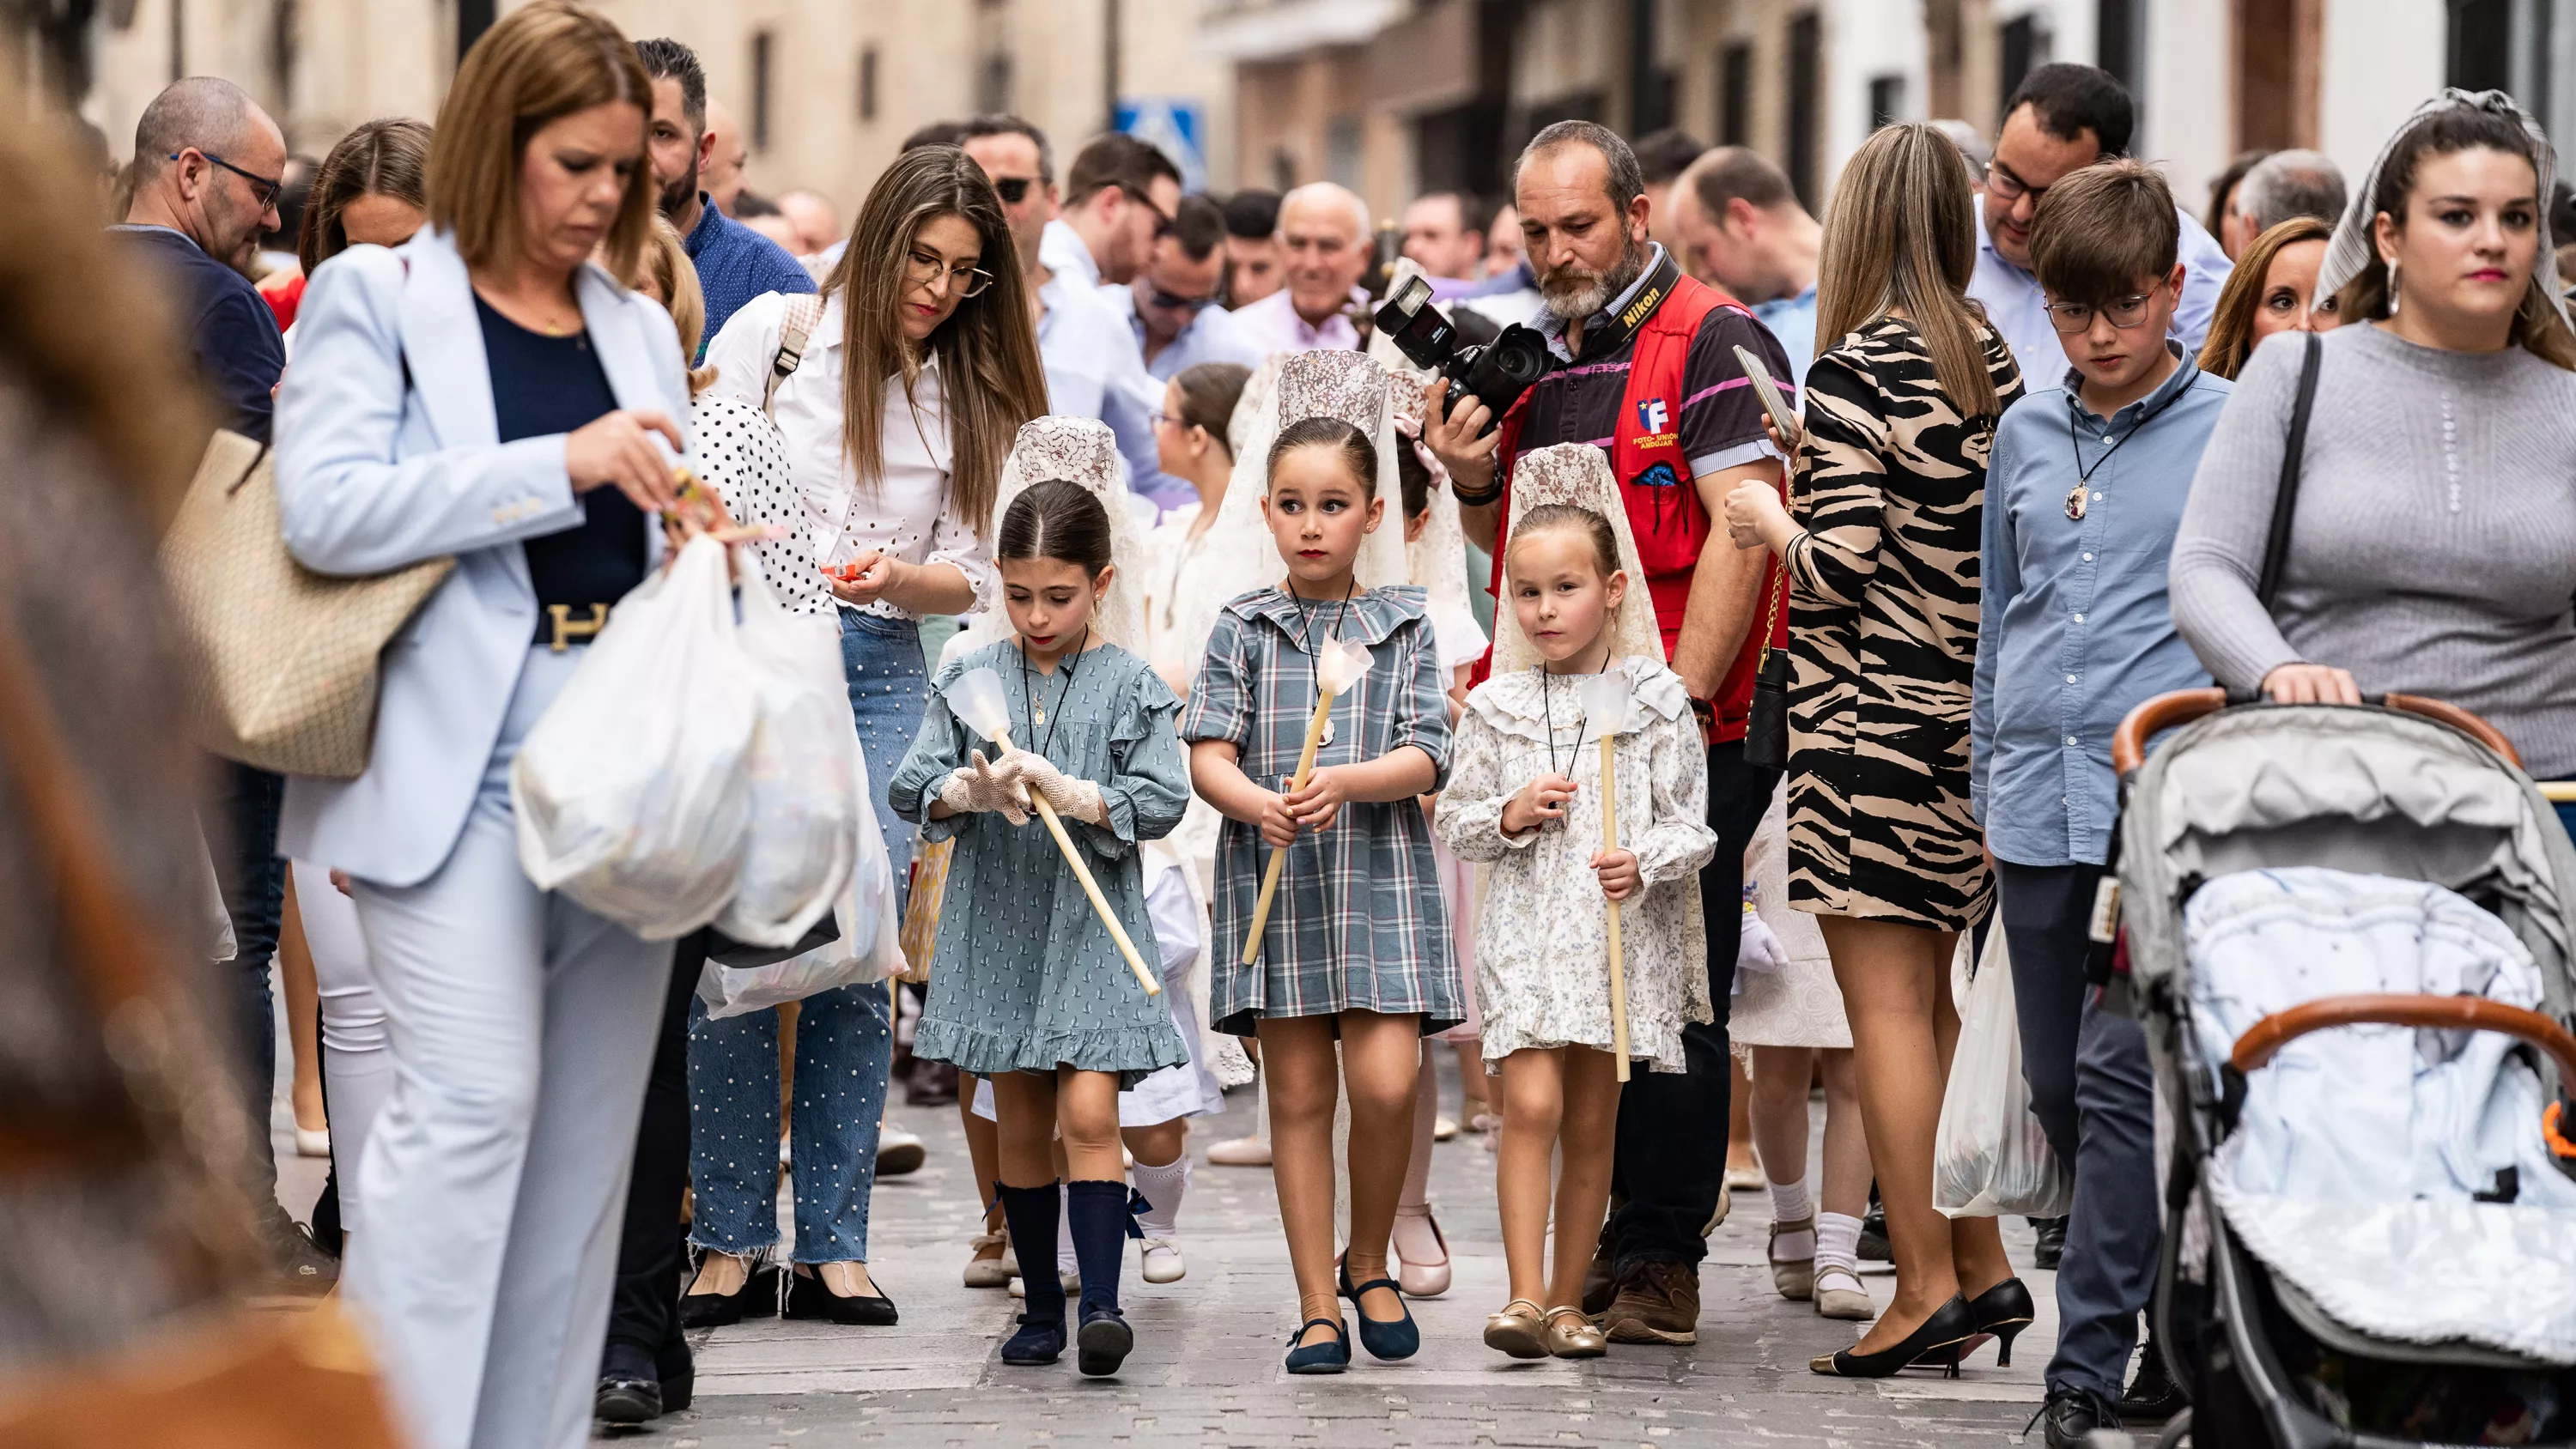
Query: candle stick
x=1338, y=666
x=1605, y=704
x=976, y=697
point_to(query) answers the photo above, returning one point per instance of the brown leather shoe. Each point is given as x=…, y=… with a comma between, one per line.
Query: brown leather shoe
x=1658, y=1302
x=1600, y=1284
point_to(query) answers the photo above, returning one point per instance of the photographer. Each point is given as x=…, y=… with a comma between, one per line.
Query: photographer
x=1644, y=358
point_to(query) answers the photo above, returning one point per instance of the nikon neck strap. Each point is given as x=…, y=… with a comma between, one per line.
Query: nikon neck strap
x=1607, y=332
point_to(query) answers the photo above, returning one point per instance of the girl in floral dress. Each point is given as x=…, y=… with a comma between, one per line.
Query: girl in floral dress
x=1524, y=798
x=1355, y=947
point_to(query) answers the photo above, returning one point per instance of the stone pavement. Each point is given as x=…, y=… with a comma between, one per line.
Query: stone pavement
x=1206, y=1369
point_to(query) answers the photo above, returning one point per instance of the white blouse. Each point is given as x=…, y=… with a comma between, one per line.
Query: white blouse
x=911, y=514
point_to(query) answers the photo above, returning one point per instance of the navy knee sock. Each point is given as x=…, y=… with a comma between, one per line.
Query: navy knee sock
x=1031, y=1213
x=1097, y=1213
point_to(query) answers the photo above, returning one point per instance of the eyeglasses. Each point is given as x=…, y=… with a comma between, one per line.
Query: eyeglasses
x=1169, y=421
x=1013, y=189
x=2125, y=312
x=966, y=281
x=2010, y=187
x=1170, y=302
x=262, y=189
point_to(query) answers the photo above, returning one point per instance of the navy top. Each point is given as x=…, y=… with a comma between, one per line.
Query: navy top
x=736, y=264
x=229, y=326
x=546, y=385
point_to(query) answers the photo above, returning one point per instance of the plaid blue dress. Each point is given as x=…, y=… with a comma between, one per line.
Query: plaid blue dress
x=1358, y=924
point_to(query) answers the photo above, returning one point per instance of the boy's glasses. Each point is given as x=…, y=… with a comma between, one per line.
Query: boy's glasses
x=2071, y=318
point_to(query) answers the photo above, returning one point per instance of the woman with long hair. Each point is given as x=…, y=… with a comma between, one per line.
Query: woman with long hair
x=1890, y=479
x=488, y=392
x=2270, y=292
x=2432, y=542
x=913, y=373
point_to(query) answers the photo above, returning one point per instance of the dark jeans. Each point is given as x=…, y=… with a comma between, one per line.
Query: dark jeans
x=240, y=824
x=644, y=1314
x=2093, y=1091
x=1670, y=1161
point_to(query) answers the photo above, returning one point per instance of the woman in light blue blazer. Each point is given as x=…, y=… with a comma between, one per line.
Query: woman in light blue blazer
x=486, y=391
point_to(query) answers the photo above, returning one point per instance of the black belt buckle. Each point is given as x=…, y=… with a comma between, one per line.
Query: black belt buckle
x=558, y=630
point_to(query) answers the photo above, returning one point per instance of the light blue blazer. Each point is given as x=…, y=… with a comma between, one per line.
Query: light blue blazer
x=388, y=454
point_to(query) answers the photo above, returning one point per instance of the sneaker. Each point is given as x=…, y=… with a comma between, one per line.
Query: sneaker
x=1658, y=1302
x=300, y=1266
x=2050, y=1243
x=2152, y=1397
x=899, y=1152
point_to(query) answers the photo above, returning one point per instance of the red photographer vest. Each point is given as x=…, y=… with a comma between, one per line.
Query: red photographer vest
x=1670, y=525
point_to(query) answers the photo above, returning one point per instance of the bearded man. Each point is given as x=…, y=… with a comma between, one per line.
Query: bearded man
x=734, y=263
x=1645, y=365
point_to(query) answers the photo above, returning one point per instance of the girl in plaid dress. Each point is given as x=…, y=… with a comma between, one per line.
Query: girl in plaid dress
x=1356, y=945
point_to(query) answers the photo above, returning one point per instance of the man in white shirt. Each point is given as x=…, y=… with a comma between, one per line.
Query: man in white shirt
x=1094, y=368
x=2062, y=118
x=1119, y=196
x=1323, y=234
x=1740, y=229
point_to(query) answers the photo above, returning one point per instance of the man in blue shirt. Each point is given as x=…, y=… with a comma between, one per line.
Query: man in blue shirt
x=2060, y=118
x=2083, y=497
x=735, y=263
x=1741, y=230
x=1171, y=307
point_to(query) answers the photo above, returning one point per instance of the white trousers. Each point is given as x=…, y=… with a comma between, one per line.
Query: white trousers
x=522, y=1029
x=357, y=1068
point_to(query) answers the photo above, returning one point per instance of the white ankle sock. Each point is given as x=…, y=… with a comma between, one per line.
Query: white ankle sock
x=1162, y=1187
x=1838, y=1242
x=1789, y=1201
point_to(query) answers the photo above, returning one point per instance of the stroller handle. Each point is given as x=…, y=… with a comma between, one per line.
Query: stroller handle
x=2182, y=706
x=2264, y=1039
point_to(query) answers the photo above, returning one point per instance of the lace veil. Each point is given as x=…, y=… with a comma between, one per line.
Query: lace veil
x=1577, y=473
x=1085, y=452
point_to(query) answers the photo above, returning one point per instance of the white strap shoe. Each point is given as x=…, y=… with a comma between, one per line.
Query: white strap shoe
x=1161, y=1260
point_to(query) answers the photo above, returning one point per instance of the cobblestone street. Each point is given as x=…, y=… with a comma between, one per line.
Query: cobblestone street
x=1206, y=1369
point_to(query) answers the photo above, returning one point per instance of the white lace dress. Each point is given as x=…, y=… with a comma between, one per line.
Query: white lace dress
x=1542, y=939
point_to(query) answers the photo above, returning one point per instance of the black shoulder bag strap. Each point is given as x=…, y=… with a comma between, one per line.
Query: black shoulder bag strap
x=2276, y=547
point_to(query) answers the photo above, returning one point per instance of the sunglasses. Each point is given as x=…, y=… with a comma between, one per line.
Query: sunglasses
x=1170, y=303
x=1013, y=189
x=263, y=189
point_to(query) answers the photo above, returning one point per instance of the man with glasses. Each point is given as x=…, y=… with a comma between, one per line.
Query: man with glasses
x=206, y=177
x=1172, y=307
x=1118, y=198
x=734, y=263
x=2063, y=117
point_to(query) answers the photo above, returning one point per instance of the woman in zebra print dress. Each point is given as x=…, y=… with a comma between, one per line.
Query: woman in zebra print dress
x=1882, y=557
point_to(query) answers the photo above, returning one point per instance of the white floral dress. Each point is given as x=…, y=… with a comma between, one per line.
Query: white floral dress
x=1543, y=938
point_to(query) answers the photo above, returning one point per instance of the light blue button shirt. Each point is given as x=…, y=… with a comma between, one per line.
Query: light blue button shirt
x=1793, y=321
x=2019, y=310
x=1211, y=336
x=1062, y=250
x=2074, y=629
x=1094, y=370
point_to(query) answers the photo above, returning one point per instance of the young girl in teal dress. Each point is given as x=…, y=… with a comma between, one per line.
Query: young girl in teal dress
x=1028, y=987
x=1356, y=944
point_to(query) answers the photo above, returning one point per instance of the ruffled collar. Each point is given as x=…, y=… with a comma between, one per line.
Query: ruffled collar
x=1371, y=619
x=1515, y=704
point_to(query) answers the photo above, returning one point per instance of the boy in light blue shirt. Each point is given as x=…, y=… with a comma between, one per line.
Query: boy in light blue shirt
x=2083, y=498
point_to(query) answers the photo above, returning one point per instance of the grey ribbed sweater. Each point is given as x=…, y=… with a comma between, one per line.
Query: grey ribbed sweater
x=2433, y=549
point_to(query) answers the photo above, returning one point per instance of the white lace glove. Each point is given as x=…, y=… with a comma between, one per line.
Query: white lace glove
x=1070, y=795
x=979, y=786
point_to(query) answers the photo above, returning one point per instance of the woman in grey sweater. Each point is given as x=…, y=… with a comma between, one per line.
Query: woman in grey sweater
x=2433, y=544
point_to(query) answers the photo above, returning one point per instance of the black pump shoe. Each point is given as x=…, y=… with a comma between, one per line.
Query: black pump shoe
x=1999, y=1313
x=808, y=1297
x=756, y=1298
x=1949, y=1325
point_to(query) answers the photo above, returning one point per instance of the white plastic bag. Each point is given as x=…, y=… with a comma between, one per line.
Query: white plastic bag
x=1990, y=1157
x=803, y=796
x=871, y=929
x=630, y=790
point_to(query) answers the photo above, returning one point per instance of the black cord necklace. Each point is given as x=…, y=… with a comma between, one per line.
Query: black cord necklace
x=1306, y=635
x=2076, y=497
x=1037, y=710
x=1547, y=716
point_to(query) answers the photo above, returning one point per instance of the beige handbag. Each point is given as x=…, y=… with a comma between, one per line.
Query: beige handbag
x=287, y=668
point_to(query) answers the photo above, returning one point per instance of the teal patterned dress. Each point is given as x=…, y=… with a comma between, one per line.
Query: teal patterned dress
x=1024, y=977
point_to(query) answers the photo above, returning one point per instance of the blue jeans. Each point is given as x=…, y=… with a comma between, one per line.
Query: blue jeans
x=844, y=1044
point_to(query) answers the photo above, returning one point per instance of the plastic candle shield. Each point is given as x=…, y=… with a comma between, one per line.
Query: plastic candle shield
x=1339, y=665
x=1605, y=701
x=976, y=698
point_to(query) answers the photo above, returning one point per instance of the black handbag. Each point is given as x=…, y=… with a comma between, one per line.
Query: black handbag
x=724, y=950
x=1766, y=724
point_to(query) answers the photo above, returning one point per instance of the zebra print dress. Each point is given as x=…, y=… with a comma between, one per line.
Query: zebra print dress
x=1890, y=490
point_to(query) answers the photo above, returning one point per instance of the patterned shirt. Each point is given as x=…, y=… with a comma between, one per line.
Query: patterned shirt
x=736, y=264
x=1358, y=923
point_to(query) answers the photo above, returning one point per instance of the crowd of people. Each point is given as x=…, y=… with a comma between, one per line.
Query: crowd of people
x=1653, y=745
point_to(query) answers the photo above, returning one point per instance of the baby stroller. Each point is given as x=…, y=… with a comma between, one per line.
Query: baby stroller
x=2396, y=793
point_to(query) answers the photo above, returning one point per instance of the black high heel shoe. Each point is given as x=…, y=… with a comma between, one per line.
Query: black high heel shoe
x=1999, y=1313
x=756, y=1298
x=1949, y=1325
